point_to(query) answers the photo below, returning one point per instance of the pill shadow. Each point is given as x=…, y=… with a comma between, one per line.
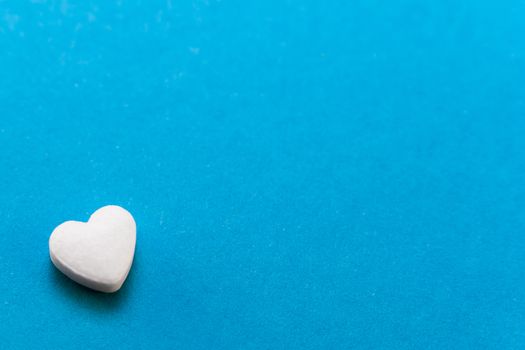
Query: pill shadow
x=90, y=299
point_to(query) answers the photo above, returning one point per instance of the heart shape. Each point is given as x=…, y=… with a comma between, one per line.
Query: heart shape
x=97, y=254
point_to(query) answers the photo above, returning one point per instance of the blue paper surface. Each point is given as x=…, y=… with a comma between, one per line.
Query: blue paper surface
x=304, y=174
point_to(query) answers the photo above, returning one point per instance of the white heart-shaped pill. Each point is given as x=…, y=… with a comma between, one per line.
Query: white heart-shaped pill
x=97, y=254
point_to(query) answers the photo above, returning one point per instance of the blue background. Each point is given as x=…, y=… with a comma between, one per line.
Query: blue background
x=304, y=174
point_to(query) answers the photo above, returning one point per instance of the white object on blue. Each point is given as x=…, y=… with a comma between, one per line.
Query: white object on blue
x=97, y=254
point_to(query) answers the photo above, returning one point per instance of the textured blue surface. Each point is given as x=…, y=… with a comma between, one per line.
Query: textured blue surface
x=304, y=174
